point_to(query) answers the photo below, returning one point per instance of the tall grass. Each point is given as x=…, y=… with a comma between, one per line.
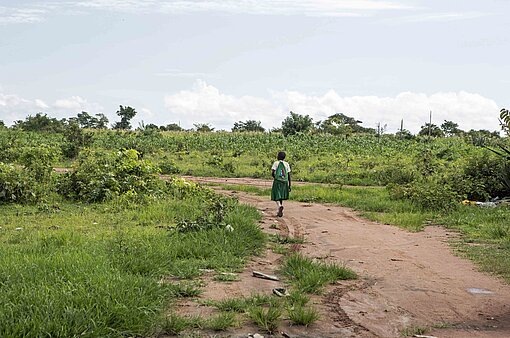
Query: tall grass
x=95, y=270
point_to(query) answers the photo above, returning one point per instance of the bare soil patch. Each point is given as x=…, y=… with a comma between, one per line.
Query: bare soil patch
x=407, y=280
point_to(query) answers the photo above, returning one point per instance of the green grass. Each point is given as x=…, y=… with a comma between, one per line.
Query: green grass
x=95, y=270
x=300, y=315
x=266, y=318
x=309, y=277
x=226, y=277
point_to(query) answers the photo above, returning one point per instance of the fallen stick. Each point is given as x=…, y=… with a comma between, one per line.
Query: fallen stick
x=264, y=276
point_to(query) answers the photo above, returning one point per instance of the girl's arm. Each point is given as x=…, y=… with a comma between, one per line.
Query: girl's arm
x=272, y=172
x=289, y=180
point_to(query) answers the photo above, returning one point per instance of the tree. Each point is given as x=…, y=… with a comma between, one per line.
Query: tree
x=203, y=127
x=171, y=127
x=431, y=129
x=296, y=123
x=41, y=122
x=341, y=124
x=126, y=114
x=250, y=125
x=450, y=128
x=102, y=121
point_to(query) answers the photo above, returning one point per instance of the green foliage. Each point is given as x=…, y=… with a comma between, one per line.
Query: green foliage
x=431, y=130
x=41, y=123
x=310, y=276
x=85, y=120
x=450, y=128
x=171, y=127
x=102, y=271
x=428, y=194
x=340, y=124
x=126, y=114
x=17, y=185
x=203, y=127
x=300, y=315
x=76, y=139
x=102, y=175
x=38, y=161
x=296, y=123
x=505, y=120
x=266, y=318
x=249, y=125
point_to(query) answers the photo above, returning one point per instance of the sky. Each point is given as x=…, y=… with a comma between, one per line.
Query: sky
x=219, y=62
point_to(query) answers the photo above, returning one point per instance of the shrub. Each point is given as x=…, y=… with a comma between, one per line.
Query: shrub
x=486, y=171
x=102, y=175
x=428, y=194
x=17, y=185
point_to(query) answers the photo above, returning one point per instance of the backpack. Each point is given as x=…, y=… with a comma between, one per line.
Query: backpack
x=281, y=173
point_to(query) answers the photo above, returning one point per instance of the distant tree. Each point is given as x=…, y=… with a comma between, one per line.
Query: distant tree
x=203, y=127
x=2, y=124
x=41, y=122
x=102, y=121
x=126, y=114
x=450, y=128
x=171, y=127
x=296, y=123
x=481, y=134
x=341, y=124
x=431, y=129
x=250, y=125
x=404, y=134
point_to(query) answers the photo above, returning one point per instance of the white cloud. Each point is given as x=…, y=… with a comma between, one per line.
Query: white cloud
x=14, y=107
x=73, y=103
x=206, y=104
x=329, y=8
x=13, y=15
x=440, y=17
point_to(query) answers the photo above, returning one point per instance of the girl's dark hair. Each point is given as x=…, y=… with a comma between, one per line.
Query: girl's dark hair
x=281, y=156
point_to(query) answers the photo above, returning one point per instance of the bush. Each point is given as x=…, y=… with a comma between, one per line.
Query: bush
x=486, y=173
x=38, y=161
x=428, y=194
x=17, y=185
x=102, y=175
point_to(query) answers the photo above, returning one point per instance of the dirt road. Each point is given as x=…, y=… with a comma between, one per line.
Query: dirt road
x=408, y=280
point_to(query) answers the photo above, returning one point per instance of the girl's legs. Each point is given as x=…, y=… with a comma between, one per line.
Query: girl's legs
x=280, y=208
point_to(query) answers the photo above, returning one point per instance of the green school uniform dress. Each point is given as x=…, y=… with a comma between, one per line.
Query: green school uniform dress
x=280, y=189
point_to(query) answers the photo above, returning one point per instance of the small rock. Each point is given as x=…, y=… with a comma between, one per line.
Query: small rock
x=18, y=229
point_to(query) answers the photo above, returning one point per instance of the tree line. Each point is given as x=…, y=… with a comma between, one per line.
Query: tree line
x=336, y=124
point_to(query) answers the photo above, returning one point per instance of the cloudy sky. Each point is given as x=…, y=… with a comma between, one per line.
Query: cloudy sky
x=218, y=62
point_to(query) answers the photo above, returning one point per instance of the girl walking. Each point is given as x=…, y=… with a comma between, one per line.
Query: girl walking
x=281, y=184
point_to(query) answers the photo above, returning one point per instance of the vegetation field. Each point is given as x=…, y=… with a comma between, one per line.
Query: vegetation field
x=106, y=248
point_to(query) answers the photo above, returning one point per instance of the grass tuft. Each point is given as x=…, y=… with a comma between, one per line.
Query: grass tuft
x=309, y=276
x=300, y=315
x=266, y=319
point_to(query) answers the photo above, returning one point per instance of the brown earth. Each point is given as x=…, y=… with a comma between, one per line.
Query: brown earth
x=407, y=280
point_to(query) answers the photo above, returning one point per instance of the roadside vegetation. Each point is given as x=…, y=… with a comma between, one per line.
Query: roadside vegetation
x=106, y=247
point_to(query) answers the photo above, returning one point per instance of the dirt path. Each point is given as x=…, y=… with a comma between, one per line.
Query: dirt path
x=408, y=280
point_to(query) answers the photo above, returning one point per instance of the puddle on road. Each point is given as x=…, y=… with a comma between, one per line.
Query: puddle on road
x=478, y=291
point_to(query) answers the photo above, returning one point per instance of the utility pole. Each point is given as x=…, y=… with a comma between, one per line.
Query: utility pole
x=430, y=122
